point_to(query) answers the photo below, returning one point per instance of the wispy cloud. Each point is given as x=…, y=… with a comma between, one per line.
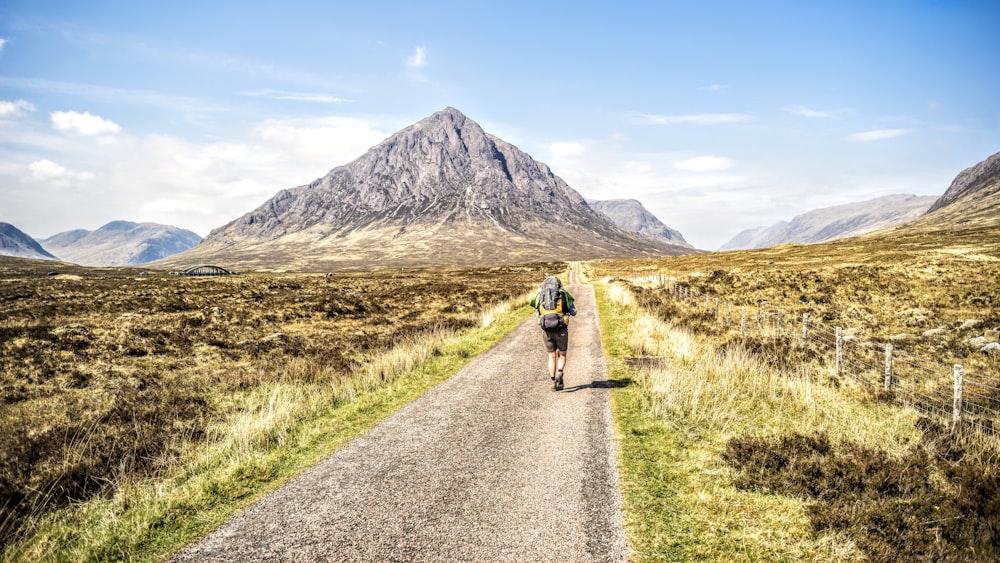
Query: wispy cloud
x=803, y=111
x=418, y=58
x=878, y=135
x=56, y=174
x=696, y=119
x=297, y=96
x=83, y=123
x=705, y=164
x=194, y=108
x=2, y=43
x=14, y=109
x=715, y=88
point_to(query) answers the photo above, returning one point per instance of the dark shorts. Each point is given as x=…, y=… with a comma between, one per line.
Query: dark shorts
x=556, y=339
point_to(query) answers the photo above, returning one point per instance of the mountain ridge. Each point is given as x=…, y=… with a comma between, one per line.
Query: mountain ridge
x=835, y=222
x=440, y=192
x=631, y=215
x=121, y=243
x=974, y=179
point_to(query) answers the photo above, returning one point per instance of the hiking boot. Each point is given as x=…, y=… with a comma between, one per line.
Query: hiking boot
x=558, y=385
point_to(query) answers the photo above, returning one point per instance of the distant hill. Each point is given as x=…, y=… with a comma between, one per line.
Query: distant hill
x=121, y=243
x=439, y=193
x=758, y=237
x=14, y=242
x=631, y=215
x=831, y=223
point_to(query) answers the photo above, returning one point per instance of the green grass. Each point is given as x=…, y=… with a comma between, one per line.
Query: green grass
x=679, y=499
x=149, y=520
x=730, y=452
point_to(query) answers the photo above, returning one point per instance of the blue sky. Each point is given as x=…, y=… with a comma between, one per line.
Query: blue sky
x=718, y=116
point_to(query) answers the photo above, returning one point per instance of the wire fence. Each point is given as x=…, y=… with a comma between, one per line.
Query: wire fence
x=935, y=389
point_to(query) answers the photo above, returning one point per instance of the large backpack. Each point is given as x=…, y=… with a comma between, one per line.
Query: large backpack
x=550, y=304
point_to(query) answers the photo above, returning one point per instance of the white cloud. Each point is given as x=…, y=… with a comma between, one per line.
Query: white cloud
x=55, y=174
x=3, y=42
x=47, y=170
x=14, y=109
x=83, y=123
x=705, y=164
x=297, y=96
x=321, y=143
x=192, y=184
x=565, y=149
x=715, y=88
x=807, y=112
x=697, y=119
x=418, y=58
x=878, y=135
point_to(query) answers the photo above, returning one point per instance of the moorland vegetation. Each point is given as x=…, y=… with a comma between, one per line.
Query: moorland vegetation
x=113, y=383
x=749, y=446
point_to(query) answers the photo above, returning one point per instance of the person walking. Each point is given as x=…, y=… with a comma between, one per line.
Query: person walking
x=554, y=306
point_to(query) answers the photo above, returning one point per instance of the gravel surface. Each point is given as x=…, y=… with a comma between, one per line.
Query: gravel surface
x=490, y=465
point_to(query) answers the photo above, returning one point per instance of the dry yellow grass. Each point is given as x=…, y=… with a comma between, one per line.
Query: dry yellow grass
x=108, y=377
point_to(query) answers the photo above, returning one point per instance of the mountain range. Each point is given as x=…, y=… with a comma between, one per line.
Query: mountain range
x=441, y=192
x=120, y=243
x=830, y=223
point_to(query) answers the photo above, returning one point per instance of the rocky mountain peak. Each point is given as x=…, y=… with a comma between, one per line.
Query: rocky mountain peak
x=444, y=168
x=442, y=189
x=973, y=179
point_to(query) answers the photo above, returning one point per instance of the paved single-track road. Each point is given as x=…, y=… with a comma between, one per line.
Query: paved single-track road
x=490, y=465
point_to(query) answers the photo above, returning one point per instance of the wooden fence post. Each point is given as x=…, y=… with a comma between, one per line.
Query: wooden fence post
x=840, y=352
x=888, y=366
x=743, y=321
x=805, y=329
x=956, y=407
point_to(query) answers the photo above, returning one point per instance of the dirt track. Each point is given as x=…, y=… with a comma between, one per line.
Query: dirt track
x=491, y=465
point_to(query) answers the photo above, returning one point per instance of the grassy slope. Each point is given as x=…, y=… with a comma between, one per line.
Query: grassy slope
x=148, y=521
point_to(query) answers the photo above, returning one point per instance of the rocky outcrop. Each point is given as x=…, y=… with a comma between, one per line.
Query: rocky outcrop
x=121, y=243
x=14, y=242
x=631, y=215
x=831, y=223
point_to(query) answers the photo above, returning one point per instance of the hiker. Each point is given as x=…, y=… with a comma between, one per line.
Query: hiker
x=554, y=306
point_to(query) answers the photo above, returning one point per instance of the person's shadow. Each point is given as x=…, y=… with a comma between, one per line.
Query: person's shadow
x=601, y=384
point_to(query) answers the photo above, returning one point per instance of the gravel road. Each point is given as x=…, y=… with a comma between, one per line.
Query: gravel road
x=490, y=465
